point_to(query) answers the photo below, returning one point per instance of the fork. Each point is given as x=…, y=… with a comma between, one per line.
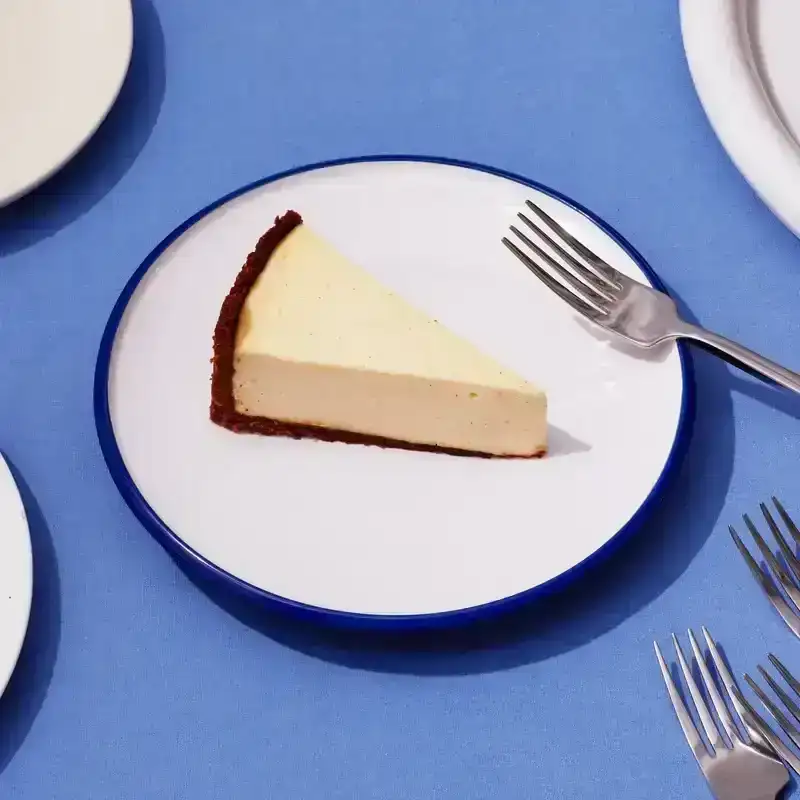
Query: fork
x=739, y=764
x=786, y=574
x=788, y=727
x=643, y=316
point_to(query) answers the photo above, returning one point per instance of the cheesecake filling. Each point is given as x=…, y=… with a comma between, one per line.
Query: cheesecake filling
x=439, y=413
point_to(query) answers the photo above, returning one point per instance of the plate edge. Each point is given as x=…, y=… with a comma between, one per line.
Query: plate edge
x=36, y=183
x=8, y=476
x=719, y=22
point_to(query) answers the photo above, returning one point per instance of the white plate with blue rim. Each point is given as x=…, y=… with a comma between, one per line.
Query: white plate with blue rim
x=363, y=536
x=16, y=574
x=63, y=67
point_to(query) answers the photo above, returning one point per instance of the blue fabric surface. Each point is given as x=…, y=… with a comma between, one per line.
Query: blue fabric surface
x=135, y=682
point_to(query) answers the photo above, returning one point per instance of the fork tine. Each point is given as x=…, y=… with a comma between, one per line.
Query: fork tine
x=711, y=687
x=791, y=559
x=754, y=720
x=785, y=674
x=787, y=520
x=794, y=709
x=773, y=562
x=753, y=733
x=606, y=270
x=598, y=282
x=584, y=291
x=759, y=574
x=768, y=585
x=707, y=721
x=784, y=579
x=684, y=718
x=568, y=297
x=788, y=728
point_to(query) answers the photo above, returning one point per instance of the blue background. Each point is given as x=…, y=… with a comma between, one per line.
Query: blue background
x=136, y=680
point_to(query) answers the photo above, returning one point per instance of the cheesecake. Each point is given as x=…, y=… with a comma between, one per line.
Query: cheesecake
x=310, y=345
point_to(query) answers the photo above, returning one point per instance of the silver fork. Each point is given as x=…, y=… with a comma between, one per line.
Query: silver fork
x=785, y=574
x=788, y=727
x=738, y=764
x=613, y=301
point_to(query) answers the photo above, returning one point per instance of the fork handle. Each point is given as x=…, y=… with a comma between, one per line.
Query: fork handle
x=743, y=358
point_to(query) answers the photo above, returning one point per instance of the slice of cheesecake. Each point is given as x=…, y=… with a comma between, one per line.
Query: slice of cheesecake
x=309, y=345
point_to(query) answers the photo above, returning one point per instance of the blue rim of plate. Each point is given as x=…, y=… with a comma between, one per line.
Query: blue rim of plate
x=197, y=562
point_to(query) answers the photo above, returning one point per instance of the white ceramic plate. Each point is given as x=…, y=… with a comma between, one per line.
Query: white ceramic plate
x=16, y=574
x=62, y=65
x=745, y=63
x=361, y=533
